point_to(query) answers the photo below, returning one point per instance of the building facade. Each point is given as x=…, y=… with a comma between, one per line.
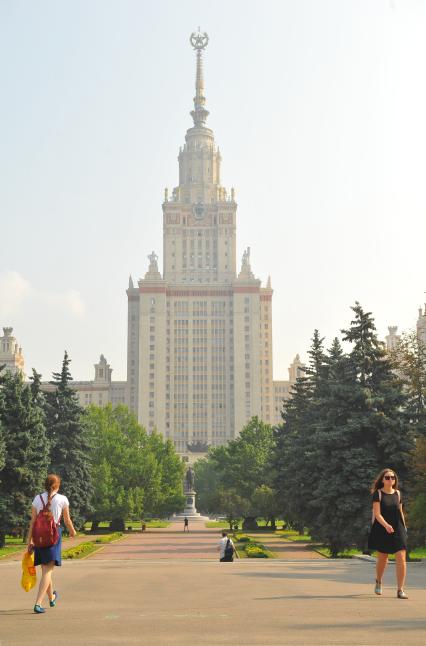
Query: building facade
x=199, y=333
x=282, y=388
x=421, y=325
x=11, y=356
x=101, y=391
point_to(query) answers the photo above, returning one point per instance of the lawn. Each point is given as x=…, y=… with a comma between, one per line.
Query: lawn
x=13, y=545
x=134, y=524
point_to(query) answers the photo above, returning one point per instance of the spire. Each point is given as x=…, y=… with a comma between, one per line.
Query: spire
x=199, y=41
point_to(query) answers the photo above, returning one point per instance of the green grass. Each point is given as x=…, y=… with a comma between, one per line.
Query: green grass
x=134, y=524
x=247, y=547
x=217, y=523
x=13, y=545
x=157, y=523
x=84, y=549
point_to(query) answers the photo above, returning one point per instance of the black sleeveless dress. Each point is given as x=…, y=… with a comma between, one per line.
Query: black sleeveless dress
x=379, y=539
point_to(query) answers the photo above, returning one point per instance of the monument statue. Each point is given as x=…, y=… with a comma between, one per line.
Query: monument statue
x=190, y=479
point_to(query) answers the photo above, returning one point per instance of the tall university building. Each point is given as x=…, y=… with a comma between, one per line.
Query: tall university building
x=200, y=332
x=199, y=349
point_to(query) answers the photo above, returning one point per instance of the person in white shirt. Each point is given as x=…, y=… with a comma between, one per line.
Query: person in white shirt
x=48, y=557
x=226, y=545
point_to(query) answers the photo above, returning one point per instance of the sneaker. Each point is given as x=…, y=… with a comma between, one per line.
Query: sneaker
x=38, y=609
x=401, y=594
x=378, y=588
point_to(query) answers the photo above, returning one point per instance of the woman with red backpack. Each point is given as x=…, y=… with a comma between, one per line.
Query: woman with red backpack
x=45, y=536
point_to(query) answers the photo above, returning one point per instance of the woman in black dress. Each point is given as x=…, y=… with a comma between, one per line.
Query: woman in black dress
x=388, y=533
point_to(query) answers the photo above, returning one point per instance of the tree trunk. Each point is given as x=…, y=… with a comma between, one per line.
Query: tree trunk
x=2, y=538
x=273, y=523
x=95, y=525
x=250, y=523
x=117, y=525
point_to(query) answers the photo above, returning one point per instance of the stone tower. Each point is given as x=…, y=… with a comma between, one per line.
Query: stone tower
x=11, y=353
x=199, y=334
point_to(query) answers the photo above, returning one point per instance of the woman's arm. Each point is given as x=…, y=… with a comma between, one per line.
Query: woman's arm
x=378, y=516
x=30, y=528
x=402, y=515
x=68, y=522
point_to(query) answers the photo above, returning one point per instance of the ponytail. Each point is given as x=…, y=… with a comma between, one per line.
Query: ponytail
x=52, y=481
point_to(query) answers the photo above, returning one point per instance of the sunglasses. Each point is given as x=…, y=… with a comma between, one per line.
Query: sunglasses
x=389, y=477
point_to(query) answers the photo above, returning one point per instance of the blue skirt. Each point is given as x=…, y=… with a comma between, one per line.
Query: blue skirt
x=43, y=555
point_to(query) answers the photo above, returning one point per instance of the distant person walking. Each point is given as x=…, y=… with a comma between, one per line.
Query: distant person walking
x=52, y=505
x=226, y=549
x=388, y=533
x=185, y=525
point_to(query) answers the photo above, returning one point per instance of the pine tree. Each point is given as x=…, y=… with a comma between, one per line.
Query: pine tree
x=70, y=444
x=381, y=396
x=295, y=461
x=26, y=454
x=345, y=457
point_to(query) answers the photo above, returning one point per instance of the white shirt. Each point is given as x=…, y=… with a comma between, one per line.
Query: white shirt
x=57, y=504
x=222, y=545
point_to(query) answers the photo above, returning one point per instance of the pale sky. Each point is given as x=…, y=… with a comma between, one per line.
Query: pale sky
x=318, y=106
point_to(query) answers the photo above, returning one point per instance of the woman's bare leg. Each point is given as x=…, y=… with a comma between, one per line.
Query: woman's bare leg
x=401, y=569
x=45, y=582
x=381, y=563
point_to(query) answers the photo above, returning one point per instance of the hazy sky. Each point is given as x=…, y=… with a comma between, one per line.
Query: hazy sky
x=318, y=106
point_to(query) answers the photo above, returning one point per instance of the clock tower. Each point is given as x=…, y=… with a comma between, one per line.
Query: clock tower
x=199, y=333
x=199, y=218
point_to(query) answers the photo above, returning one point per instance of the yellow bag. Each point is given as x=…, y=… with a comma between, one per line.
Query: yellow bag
x=29, y=576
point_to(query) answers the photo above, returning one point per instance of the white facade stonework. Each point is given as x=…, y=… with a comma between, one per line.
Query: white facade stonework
x=199, y=333
x=421, y=325
x=11, y=356
x=282, y=389
x=101, y=391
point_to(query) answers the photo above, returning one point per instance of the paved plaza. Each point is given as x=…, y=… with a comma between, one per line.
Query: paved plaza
x=166, y=587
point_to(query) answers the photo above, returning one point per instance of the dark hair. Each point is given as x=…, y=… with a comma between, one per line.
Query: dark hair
x=378, y=483
x=224, y=534
x=52, y=481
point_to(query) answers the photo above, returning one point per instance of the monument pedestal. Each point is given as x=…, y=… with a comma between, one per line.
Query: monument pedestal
x=190, y=512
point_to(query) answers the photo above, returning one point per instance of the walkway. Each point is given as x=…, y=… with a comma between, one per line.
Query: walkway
x=288, y=550
x=251, y=602
x=199, y=543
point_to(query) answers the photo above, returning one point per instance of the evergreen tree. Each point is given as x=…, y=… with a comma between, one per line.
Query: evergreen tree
x=381, y=396
x=345, y=459
x=70, y=443
x=295, y=461
x=26, y=454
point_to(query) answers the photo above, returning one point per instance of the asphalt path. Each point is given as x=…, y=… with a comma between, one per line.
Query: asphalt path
x=167, y=587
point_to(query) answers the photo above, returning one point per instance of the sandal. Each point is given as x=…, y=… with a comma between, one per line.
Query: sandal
x=378, y=588
x=52, y=603
x=401, y=594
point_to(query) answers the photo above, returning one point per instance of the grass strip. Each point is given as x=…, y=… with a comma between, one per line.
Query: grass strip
x=247, y=547
x=85, y=549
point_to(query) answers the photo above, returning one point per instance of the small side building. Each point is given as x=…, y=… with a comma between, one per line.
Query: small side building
x=11, y=353
x=282, y=389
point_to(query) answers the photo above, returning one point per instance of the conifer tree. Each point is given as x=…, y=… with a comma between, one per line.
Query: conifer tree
x=70, y=443
x=345, y=455
x=381, y=397
x=26, y=454
x=295, y=463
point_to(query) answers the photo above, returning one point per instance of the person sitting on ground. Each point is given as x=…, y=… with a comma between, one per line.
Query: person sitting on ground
x=226, y=549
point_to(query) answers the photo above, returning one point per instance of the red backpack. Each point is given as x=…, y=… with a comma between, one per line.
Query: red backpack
x=45, y=530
